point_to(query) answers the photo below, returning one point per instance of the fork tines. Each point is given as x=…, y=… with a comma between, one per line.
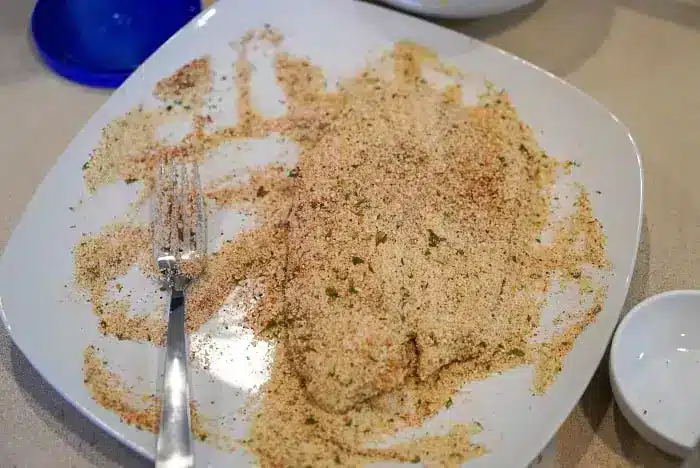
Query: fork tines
x=178, y=215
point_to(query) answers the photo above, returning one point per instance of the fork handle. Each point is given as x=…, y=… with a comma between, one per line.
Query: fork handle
x=174, y=446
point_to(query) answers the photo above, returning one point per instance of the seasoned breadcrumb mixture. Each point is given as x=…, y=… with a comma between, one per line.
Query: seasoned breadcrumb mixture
x=108, y=389
x=188, y=86
x=129, y=149
x=400, y=258
x=105, y=256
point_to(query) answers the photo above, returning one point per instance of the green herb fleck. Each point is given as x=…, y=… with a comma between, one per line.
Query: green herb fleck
x=448, y=403
x=293, y=173
x=203, y=437
x=380, y=238
x=517, y=352
x=169, y=107
x=434, y=239
x=538, y=240
x=352, y=290
x=331, y=292
x=357, y=260
x=130, y=181
x=415, y=459
x=86, y=165
x=310, y=420
x=502, y=159
x=362, y=203
x=348, y=423
x=585, y=286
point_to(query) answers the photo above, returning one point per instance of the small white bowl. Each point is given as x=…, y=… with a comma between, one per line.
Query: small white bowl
x=655, y=370
x=457, y=8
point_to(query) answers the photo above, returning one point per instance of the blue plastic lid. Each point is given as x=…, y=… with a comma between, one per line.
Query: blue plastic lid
x=101, y=42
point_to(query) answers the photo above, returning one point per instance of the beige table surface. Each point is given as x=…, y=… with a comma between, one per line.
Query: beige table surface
x=640, y=58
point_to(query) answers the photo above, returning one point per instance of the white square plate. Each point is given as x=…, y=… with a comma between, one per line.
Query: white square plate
x=52, y=329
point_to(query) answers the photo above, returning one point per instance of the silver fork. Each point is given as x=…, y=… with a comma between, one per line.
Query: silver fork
x=179, y=247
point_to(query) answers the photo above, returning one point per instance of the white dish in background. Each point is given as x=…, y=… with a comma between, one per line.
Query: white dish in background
x=655, y=370
x=52, y=328
x=457, y=8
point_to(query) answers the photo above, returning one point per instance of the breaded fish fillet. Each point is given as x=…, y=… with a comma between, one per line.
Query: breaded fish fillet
x=398, y=244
